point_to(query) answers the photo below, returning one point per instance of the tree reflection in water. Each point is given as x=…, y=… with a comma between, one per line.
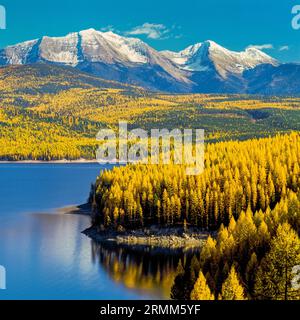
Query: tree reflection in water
x=143, y=268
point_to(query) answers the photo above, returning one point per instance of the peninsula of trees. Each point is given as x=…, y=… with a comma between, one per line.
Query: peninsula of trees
x=249, y=192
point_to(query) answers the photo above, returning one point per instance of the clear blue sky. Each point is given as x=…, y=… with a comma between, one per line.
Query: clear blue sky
x=164, y=24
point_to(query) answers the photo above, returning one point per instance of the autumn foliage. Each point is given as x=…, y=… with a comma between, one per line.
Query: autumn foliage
x=239, y=176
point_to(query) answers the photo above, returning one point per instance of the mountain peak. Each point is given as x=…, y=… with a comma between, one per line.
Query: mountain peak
x=209, y=54
x=210, y=43
x=128, y=59
x=89, y=30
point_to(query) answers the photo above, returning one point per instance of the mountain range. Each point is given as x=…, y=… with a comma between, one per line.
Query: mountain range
x=204, y=67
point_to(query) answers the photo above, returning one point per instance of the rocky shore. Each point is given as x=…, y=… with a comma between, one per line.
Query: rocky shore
x=166, y=237
x=161, y=237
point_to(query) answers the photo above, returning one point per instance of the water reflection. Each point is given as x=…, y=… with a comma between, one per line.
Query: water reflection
x=46, y=255
x=147, y=269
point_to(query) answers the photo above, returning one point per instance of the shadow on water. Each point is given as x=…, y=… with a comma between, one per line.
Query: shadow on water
x=150, y=270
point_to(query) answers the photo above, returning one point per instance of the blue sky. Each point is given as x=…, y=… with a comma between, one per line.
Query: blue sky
x=164, y=24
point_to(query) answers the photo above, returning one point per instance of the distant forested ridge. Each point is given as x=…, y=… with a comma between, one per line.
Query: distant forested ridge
x=51, y=113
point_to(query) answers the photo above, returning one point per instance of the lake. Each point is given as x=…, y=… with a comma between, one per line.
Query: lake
x=47, y=257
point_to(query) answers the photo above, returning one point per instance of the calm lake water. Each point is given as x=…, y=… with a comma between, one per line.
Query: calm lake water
x=47, y=257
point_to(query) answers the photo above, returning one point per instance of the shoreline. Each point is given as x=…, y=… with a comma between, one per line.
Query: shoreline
x=82, y=209
x=171, y=238
x=160, y=237
x=48, y=162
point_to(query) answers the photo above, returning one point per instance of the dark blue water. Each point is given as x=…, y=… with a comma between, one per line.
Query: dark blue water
x=44, y=252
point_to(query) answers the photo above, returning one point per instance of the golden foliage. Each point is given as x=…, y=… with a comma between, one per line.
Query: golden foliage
x=254, y=174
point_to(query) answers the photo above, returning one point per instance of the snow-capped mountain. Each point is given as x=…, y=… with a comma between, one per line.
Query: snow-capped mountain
x=202, y=67
x=199, y=57
x=105, y=54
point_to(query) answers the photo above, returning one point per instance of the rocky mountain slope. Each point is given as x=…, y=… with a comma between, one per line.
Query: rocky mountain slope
x=204, y=67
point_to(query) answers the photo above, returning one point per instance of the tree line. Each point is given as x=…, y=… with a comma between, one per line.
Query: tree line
x=253, y=174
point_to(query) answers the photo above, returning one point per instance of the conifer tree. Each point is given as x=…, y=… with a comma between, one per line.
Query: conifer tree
x=201, y=290
x=177, y=290
x=262, y=239
x=274, y=276
x=251, y=270
x=231, y=288
x=210, y=281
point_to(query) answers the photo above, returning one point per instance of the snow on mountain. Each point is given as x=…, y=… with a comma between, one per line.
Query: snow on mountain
x=91, y=45
x=202, y=67
x=202, y=56
x=18, y=54
x=60, y=49
x=111, y=48
x=181, y=58
x=95, y=51
x=132, y=49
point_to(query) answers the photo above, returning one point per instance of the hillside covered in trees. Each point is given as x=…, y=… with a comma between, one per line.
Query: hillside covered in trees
x=253, y=174
x=249, y=192
x=256, y=256
x=51, y=113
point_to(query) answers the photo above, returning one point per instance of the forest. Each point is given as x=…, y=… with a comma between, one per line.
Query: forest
x=249, y=193
x=248, y=197
x=54, y=113
x=255, y=257
x=254, y=174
